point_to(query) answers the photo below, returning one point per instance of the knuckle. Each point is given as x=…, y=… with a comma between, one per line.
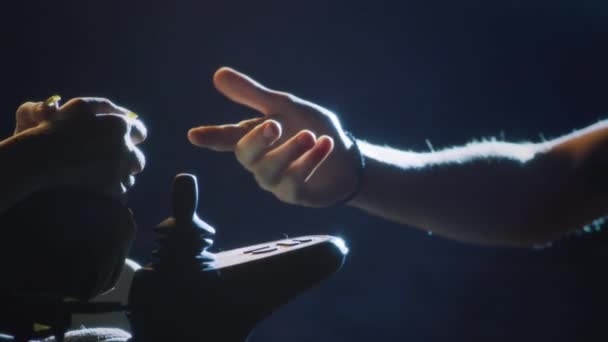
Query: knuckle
x=241, y=154
x=266, y=175
x=78, y=107
x=248, y=125
x=101, y=101
x=26, y=107
x=89, y=105
x=98, y=101
x=79, y=104
x=263, y=169
x=283, y=98
x=238, y=154
x=291, y=190
x=263, y=183
x=140, y=130
x=26, y=112
x=138, y=161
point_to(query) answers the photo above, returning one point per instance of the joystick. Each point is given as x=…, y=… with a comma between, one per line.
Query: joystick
x=184, y=237
x=190, y=294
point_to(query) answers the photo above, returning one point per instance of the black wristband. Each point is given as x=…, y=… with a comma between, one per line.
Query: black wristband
x=359, y=161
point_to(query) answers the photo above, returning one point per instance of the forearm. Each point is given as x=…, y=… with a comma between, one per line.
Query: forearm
x=489, y=193
x=22, y=170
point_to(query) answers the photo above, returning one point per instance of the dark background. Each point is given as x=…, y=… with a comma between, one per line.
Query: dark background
x=397, y=73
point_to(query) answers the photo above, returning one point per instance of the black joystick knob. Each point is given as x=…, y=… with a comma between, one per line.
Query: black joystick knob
x=184, y=238
x=185, y=197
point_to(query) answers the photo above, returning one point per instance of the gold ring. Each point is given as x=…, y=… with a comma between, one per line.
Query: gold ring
x=52, y=101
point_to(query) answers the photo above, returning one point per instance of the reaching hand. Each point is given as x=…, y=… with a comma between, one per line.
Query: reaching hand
x=87, y=142
x=296, y=150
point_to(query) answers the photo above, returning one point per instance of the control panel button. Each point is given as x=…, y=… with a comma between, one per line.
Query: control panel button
x=256, y=249
x=288, y=243
x=263, y=251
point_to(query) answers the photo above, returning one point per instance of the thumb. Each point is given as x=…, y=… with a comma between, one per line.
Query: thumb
x=30, y=114
x=242, y=89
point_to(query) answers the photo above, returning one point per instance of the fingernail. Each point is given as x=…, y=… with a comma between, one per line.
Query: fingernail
x=326, y=140
x=37, y=327
x=307, y=139
x=52, y=101
x=270, y=131
x=132, y=115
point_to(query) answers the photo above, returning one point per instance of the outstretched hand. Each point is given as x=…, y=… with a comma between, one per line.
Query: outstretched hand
x=296, y=149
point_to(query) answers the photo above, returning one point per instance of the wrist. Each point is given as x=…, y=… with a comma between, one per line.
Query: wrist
x=358, y=164
x=380, y=179
x=359, y=199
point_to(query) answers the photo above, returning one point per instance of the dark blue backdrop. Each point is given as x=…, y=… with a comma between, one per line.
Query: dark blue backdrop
x=397, y=73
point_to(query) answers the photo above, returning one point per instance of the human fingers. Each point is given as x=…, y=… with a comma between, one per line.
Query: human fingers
x=111, y=131
x=91, y=106
x=221, y=137
x=292, y=187
x=269, y=169
x=84, y=107
x=128, y=182
x=257, y=142
x=242, y=89
x=138, y=132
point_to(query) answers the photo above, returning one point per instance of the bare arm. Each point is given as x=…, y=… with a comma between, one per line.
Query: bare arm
x=491, y=192
x=498, y=193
